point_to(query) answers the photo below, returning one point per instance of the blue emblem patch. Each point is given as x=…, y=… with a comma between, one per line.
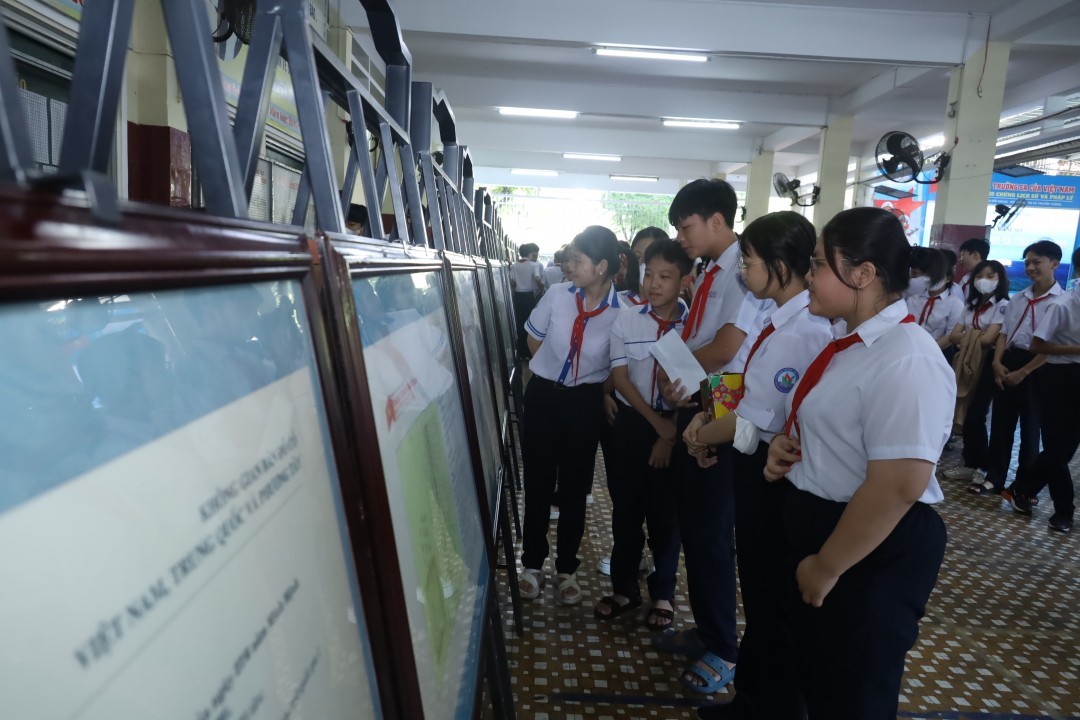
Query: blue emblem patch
x=786, y=379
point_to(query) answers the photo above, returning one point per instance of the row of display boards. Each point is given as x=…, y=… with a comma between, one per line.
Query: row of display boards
x=248, y=472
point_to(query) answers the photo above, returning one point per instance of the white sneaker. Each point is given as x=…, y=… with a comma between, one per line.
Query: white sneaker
x=960, y=472
x=554, y=512
x=589, y=499
x=604, y=566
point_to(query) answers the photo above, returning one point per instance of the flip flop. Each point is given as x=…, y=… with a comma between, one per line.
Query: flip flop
x=679, y=642
x=721, y=674
x=659, y=614
x=614, y=608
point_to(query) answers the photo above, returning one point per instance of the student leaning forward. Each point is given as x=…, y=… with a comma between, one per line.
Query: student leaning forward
x=866, y=426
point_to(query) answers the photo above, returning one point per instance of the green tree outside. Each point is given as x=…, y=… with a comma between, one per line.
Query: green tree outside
x=631, y=212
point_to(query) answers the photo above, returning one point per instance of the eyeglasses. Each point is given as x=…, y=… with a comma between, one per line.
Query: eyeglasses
x=743, y=265
x=814, y=263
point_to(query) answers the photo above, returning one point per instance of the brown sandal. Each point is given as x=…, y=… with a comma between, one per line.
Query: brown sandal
x=655, y=615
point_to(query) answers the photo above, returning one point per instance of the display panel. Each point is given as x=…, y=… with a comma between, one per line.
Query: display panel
x=430, y=483
x=506, y=318
x=172, y=540
x=492, y=334
x=479, y=368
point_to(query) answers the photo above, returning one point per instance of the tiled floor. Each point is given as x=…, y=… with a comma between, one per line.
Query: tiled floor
x=1001, y=638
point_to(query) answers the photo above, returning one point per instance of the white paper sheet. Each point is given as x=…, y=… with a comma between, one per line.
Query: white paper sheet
x=678, y=362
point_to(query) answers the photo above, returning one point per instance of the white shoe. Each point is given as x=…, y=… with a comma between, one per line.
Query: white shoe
x=960, y=472
x=589, y=499
x=604, y=566
x=554, y=512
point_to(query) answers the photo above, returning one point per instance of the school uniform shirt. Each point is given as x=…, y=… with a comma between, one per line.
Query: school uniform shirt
x=938, y=315
x=889, y=397
x=723, y=305
x=552, y=322
x=1060, y=325
x=981, y=317
x=523, y=272
x=751, y=320
x=633, y=334
x=778, y=363
x=960, y=289
x=1023, y=314
x=631, y=301
x=553, y=275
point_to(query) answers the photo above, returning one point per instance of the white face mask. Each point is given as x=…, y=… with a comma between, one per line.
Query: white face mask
x=918, y=285
x=985, y=286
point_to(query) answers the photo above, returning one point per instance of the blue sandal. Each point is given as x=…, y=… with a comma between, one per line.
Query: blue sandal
x=721, y=674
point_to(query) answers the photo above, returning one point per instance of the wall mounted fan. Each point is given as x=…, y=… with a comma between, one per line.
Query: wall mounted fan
x=787, y=188
x=1006, y=214
x=900, y=159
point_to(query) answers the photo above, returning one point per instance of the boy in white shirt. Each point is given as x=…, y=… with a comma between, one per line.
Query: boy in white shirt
x=1057, y=338
x=527, y=280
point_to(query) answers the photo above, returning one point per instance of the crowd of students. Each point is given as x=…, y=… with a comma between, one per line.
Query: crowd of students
x=818, y=490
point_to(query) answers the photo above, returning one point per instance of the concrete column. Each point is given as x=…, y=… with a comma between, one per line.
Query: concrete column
x=975, y=95
x=833, y=169
x=759, y=186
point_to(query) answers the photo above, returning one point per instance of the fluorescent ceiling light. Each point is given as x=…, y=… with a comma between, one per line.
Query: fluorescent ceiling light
x=1037, y=147
x=634, y=178
x=1017, y=137
x=539, y=112
x=707, y=124
x=931, y=142
x=650, y=54
x=541, y=173
x=590, y=156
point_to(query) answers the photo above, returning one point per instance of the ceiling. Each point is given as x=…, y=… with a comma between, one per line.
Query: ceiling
x=781, y=68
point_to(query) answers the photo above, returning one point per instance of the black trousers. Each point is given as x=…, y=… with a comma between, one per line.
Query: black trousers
x=707, y=525
x=640, y=493
x=976, y=451
x=850, y=651
x=766, y=683
x=524, y=302
x=562, y=429
x=1011, y=404
x=1057, y=393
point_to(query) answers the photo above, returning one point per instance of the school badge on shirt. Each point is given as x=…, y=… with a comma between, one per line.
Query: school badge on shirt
x=786, y=379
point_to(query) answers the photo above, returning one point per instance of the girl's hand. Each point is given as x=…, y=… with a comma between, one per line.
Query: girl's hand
x=661, y=453
x=784, y=452
x=691, y=433
x=815, y=580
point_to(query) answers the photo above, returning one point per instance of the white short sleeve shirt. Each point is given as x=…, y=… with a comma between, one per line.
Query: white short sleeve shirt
x=1022, y=315
x=1060, y=325
x=552, y=322
x=937, y=316
x=781, y=359
x=524, y=272
x=724, y=302
x=889, y=397
x=987, y=316
x=633, y=334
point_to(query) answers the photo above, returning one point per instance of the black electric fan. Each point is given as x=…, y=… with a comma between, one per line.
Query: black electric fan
x=788, y=188
x=900, y=159
x=1007, y=213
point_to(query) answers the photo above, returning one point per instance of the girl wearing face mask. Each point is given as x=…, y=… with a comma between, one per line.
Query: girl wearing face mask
x=974, y=337
x=936, y=310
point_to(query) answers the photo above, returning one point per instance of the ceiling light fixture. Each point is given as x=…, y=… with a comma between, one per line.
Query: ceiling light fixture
x=591, y=156
x=1041, y=146
x=539, y=112
x=540, y=173
x=634, y=178
x=699, y=123
x=650, y=54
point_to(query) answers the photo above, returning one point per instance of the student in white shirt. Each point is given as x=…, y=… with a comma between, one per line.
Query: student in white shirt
x=640, y=476
x=934, y=308
x=972, y=252
x=1057, y=338
x=866, y=426
x=553, y=273
x=1013, y=363
x=955, y=289
x=776, y=250
x=569, y=337
x=628, y=279
x=527, y=282
x=642, y=239
x=984, y=313
x=703, y=211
